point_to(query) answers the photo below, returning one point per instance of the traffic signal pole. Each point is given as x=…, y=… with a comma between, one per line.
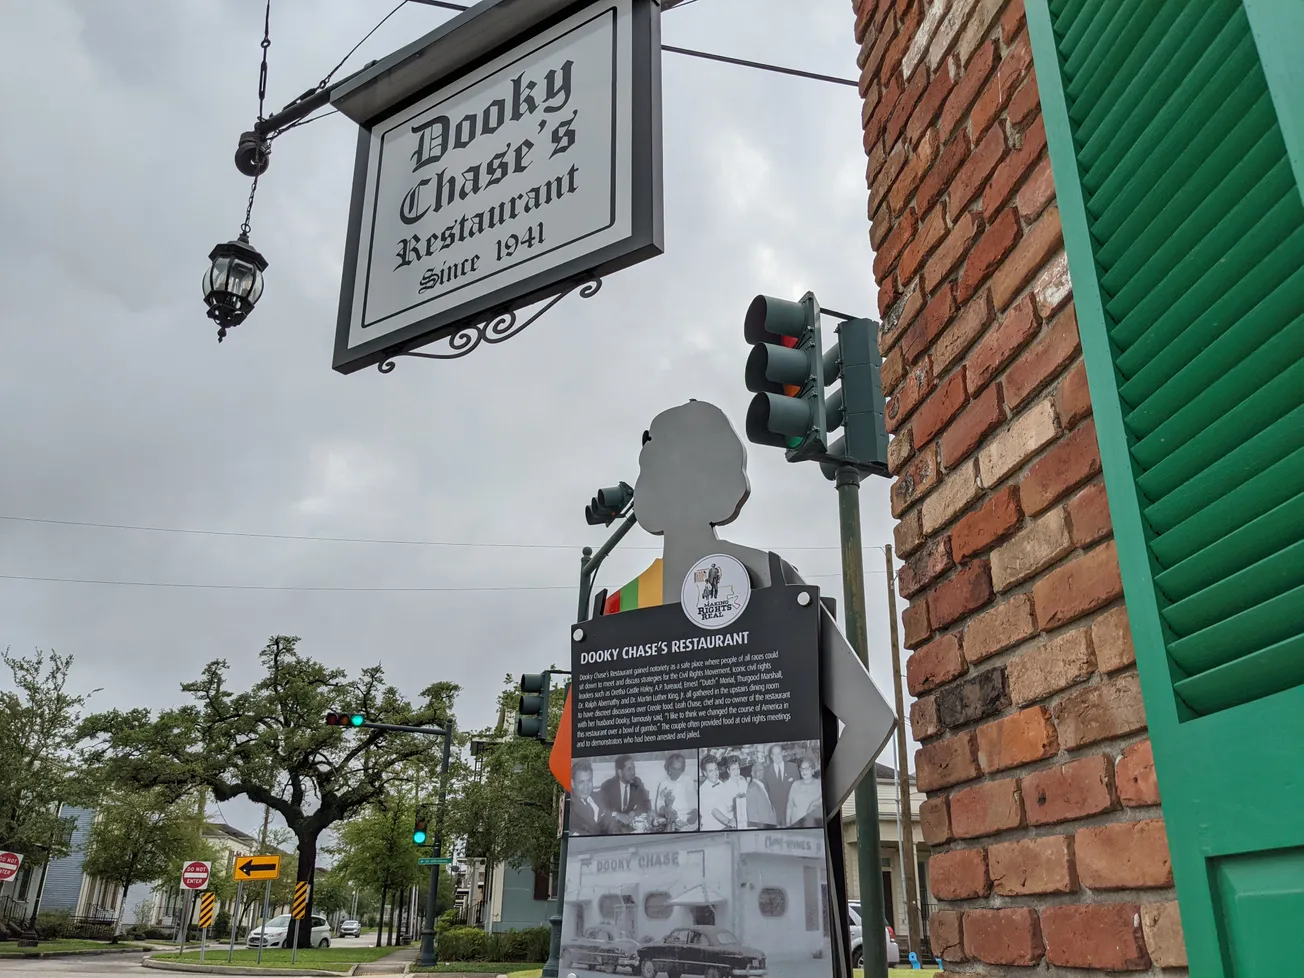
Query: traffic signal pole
x=589, y=564
x=872, y=915
x=428, y=956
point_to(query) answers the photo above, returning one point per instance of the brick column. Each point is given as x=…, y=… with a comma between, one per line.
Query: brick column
x=1042, y=807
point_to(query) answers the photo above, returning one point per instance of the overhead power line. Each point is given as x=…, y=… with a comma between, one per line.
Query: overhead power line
x=292, y=587
x=344, y=539
x=692, y=53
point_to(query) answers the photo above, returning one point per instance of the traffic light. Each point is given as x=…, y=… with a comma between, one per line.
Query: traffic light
x=786, y=371
x=419, y=834
x=857, y=406
x=796, y=406
x=532, y=710
x=608, y=504
x=337, y=719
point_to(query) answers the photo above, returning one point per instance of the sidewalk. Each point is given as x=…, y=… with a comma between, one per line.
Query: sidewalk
x=391, y=964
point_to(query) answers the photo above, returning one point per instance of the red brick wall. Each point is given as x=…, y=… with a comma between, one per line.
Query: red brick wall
x=1042, y=804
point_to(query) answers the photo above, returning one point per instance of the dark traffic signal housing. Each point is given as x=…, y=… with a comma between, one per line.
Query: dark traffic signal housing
x=336, y=719
x=419, y=833
x=608, y=504
x=796, y=406
x=532, y=708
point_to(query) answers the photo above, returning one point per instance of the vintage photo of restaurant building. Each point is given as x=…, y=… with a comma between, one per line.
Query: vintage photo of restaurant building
x=766, y=889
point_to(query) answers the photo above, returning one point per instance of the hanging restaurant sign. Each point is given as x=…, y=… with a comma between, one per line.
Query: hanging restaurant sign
x=502, y=159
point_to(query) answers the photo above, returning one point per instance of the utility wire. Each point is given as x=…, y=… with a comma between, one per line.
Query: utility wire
x=342, y=539
x=289, y=587
x=690, y=52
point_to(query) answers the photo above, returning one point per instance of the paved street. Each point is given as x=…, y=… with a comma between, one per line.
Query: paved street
x=77, y=967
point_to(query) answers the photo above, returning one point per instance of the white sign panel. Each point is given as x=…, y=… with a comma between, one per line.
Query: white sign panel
x=501, y=186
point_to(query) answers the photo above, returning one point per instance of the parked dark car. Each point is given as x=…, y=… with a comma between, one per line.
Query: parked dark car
x=602, y=949
x=711, y=952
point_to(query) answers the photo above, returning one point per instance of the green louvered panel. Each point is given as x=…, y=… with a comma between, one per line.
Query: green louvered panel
x=1197, y=229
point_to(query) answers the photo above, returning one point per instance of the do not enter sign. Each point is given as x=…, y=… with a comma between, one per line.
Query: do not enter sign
x=194, y=875
x=9, y=865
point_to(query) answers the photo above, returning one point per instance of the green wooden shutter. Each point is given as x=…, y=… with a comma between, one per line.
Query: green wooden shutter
x=1176, y=135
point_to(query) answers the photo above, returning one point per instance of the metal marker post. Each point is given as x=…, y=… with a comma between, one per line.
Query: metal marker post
x=262, y=939
x=294, y=945
x=874, y=948
x=185, y=920
x=203, y=943
x=235, y=922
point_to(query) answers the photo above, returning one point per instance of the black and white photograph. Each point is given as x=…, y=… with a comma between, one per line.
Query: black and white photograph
x=761, y=786
x=751, y=903
x=634, y=793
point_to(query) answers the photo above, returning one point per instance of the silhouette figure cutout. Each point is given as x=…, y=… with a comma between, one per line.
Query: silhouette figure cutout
x=692, y=479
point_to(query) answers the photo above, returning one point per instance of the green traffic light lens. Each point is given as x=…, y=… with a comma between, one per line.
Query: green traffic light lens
x=357, y=719
x=795, y=442
x=419, y=837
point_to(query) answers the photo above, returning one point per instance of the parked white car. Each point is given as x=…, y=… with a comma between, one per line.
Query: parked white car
x=276, y=932
x=858, y=941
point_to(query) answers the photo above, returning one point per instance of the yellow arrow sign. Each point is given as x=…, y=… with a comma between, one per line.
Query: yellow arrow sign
x=257, y=867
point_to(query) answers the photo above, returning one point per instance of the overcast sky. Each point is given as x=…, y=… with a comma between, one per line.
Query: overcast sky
x=116, y=179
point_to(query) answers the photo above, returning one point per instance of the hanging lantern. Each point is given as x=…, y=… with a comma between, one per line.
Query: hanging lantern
x=233, y=283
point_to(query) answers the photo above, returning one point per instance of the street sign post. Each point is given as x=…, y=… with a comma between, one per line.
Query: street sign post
x=10, y=863
x=257, y=868
x=298, y=910
x=206, y=904
x=235, y=918
x=267, y=899
x=195, y=875
x=505, y=158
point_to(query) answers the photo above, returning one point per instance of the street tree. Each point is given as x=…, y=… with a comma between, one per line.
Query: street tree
x=505, y=800
x=39, y=757
x=138, y=837
x=375, y=849
x=270, y=744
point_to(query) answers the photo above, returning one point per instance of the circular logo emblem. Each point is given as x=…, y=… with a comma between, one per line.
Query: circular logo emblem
x=715, y=591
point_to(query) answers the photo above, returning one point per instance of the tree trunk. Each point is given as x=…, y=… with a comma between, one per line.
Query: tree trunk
x=307, y=870
x=122, y=905
x=389, y=941
x=380, y=917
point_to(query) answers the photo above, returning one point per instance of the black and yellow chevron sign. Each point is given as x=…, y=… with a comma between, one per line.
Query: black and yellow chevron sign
x=206, y=904
x=300, y=901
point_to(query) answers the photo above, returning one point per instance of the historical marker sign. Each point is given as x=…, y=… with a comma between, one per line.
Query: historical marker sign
x=195, y=874
x=10, y=863
x=257, y=867
x=503, y=184
x=707, y=770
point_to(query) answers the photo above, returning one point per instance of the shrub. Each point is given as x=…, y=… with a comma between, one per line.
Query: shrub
x=473, y=944
x=51, y=925
x=519, y=945
x=463, y=944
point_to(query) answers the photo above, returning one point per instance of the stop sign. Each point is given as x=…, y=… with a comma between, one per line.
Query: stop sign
x=194, y=876
x=9, y=863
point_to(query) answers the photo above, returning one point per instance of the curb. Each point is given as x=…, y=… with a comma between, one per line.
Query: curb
x=88, y=953
x=228, y=969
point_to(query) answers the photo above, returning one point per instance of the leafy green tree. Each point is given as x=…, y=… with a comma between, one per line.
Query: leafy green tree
x=270, y=743
x=40, y=764
x=138, y=837
x=375, y=849
x=505, y=800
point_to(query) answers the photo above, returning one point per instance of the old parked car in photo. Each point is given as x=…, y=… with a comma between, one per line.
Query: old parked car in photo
x=711, y=952
x=602, y=949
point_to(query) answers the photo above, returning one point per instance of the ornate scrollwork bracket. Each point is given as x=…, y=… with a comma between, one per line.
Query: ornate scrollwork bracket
x=496, y=329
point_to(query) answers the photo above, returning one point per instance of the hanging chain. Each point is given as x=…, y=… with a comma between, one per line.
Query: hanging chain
x=262, y=71
x=262, y=98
